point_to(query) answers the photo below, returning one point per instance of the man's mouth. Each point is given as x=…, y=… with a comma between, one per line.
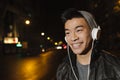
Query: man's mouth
x=76, y=45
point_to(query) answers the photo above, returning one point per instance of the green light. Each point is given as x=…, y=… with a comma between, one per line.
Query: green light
x=18, y=45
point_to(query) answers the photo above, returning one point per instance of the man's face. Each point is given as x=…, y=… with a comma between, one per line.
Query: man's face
x=78, y=35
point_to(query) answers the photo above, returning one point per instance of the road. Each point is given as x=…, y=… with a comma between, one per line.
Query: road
x=40, y=67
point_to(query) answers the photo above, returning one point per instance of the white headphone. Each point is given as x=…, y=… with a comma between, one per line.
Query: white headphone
x=95, y=33
x=65, y=39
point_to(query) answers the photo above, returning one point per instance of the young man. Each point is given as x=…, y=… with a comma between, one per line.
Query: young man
x=84, y=60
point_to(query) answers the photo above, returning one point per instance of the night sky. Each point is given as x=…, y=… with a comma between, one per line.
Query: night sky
x=45, y=16
x=48, y=12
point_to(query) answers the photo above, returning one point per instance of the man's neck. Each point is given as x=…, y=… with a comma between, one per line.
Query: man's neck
x=84, y=59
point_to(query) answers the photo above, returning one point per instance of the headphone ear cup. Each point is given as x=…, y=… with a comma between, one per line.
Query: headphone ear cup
x=94, y=33
x=65, y=39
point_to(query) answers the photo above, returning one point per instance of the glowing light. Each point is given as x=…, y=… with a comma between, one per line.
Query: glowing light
x=64, y=46
x=56, y=43
x=27, y=22
x=43, y=50
x=19, y=44
x=60, y=42
x=58, y=47
x=48, y=38
x=42, y=34
x=9, y=40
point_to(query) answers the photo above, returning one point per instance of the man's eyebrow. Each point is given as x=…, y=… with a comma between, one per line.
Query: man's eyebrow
x=80, y=26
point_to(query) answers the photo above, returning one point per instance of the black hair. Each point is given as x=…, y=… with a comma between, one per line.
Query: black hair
x=74, y=13
x=71, y=13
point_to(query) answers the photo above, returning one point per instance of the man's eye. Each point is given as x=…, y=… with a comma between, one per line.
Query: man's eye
x=79, y=30
x=67, y=33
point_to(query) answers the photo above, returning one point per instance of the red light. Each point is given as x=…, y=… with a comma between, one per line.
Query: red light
x=64, y=46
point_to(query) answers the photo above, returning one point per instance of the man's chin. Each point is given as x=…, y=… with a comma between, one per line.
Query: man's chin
x=77, y=52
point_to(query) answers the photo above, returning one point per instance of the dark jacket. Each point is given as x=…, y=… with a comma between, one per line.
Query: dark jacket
x=103, y=66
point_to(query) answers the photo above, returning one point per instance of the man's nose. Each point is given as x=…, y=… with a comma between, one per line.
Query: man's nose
x=74, y=37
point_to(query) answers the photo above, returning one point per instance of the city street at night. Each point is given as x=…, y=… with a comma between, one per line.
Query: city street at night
x=36, y=35
x=39, y=67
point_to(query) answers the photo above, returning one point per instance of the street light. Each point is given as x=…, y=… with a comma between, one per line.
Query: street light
x=48, y=38
x=27, y=22
x=42, y=34
x=55, y=43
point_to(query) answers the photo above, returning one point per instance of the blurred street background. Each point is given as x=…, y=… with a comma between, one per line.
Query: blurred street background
x=24, y=67
x=32, y=35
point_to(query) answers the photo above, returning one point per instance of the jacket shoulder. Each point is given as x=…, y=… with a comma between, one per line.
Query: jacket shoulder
x=64, y=64
x=62, y=69
x=110, y=58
